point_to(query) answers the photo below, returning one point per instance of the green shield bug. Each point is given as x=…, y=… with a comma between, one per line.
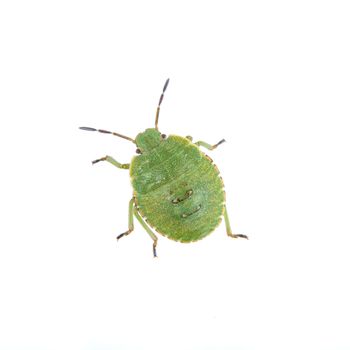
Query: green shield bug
x=177, y=189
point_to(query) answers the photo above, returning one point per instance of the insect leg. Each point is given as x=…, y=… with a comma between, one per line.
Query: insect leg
x=112, y=161
x=148, y=230
x=228, y=227
x=131, y=219
x=207, y=145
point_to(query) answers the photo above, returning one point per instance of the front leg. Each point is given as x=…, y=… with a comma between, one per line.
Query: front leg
x=112, y=161
x=205, y=144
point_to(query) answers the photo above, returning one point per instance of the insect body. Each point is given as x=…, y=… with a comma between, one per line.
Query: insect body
x=178, y=190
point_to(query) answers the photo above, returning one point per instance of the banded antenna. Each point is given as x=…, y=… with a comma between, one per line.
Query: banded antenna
x=160, y=101
x=86, y=128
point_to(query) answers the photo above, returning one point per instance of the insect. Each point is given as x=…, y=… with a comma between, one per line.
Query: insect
x=177, y=190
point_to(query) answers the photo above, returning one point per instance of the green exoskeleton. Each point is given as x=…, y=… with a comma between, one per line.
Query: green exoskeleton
x=177, y=190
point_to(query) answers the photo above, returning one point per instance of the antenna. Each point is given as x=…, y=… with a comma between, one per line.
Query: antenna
x=160, y=101
x=86, y=128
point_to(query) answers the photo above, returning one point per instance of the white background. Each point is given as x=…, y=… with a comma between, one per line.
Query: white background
x=271, y=77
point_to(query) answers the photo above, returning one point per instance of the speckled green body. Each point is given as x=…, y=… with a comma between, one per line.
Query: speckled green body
x=177, y=188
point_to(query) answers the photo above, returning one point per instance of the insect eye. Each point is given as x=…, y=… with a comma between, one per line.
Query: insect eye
x=138, y=151
x=163, y=136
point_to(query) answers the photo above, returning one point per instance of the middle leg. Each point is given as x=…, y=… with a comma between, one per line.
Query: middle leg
x=131, y=220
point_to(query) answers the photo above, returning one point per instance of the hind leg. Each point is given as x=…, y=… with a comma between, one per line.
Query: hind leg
x=148, y=230
x=228, y=227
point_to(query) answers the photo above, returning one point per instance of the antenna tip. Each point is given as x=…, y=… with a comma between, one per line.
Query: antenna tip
x=166, y=85
x=87, y=128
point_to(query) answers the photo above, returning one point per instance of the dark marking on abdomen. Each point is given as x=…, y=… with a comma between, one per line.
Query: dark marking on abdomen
x=185, y=215
x=188, y=194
